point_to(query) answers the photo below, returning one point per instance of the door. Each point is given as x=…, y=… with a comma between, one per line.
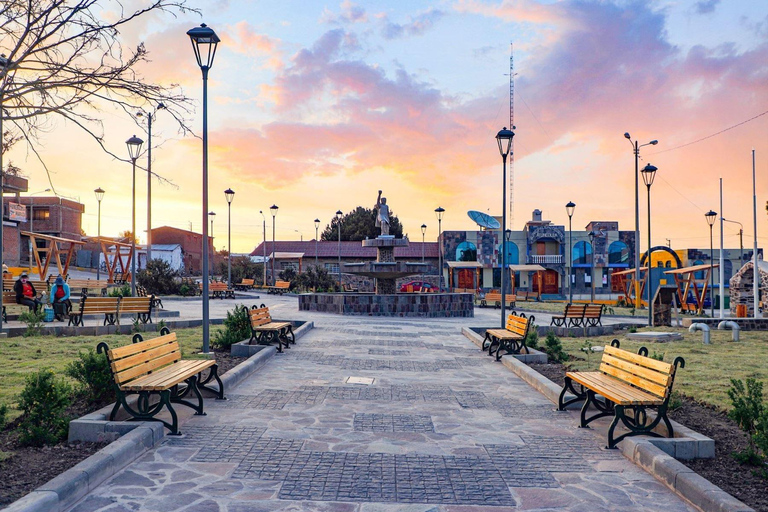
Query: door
x=466, y=278
x=545, y=281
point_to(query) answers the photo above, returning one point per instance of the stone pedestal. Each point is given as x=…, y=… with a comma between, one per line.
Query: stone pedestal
x=385, y=253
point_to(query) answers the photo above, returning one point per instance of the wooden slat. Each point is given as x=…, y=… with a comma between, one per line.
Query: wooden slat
x=613, y=390
x=661, y=379
x=659, y=366
x=634, y=380
x=128, y=362
x=134, y=348
x=168, y=377
x=155, y=364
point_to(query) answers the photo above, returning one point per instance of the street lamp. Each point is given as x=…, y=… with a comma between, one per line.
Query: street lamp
x=273, y=209
x=649, y=173
x=204, y=42
x=230, y=195
x=507, y=241
x=99, y=196
x=339, y=214
x=569, y=210
x=211, y=215
x=439, y=211
x=134, y=148
x=423, y=234
x=301, y=235
x=264, y=248
x=711, y=216
x=317, y=226
x=5, y=65
x=150, y=117
x=741, y=239
x=636, y=149
x=504, y=139
x=592, y=236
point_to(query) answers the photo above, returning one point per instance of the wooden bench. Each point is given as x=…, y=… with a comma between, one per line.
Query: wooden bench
x=593, y=315
x=40, y=285
x=106, y=306
x=9, y=302
x=156, y=301
x=155, y=367
x=494, y=299
x=526, y=295
x=265, y=331
x=349, y=288
x=573, y=316
x=245, y=284
x=219, y=290
x=512, y=338
x=86, y=286
x=121, y=278
x=141, y=306
x=628, y=385
x=279, y=288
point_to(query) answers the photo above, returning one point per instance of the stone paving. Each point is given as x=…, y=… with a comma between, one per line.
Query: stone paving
x=442, y=428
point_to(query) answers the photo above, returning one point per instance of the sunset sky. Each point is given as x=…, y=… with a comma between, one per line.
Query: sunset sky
x=314, y=106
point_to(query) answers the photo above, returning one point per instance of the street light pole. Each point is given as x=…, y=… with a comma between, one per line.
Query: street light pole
x=504, y=140
x=711, y=216
x=4, y=65
x=741, y=240
x=439, y=211
x=204, y=43
x=230, y=195
x=636, y=149
x=150, y=117
x=212, y=216
x=423, y=234
x=264, y=248
x=592, y=236
x=273, y=209
x=317, y=226
x=99, y=196
x=649, y=173
x=339, y=214
x=569, y=210
x=134, y=148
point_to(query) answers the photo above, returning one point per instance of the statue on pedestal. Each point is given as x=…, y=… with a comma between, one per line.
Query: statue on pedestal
x=382, y=214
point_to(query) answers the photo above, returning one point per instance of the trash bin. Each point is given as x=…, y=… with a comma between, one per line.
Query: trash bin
x=48, y=313
x=741, y=311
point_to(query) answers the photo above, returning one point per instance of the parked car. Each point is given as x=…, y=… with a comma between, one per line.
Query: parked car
x=417, y=286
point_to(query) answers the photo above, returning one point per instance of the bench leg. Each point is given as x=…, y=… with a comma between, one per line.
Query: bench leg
x=288, y=331
x=178, y=398
x=568, y=386
x=488, y=339
x=213, y=374
x=147, y=412
x=638, y=423
x=604, y=408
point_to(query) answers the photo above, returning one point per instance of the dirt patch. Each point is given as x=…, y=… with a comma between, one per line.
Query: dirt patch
x=738, y=480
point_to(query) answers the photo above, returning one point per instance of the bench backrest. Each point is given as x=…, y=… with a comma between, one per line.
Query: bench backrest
x=593, y=310
x=247, y=282
x=518, y=324
x=40, y=286
x=96, y=305
x=135, y=304
x=282, y=284
x=259, y=317
x=650, y=375
x=574, y=310
x=9, y=297
x=133, y=361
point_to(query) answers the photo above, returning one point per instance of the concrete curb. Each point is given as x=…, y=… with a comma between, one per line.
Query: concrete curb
x=243, y=349
x=657, y=456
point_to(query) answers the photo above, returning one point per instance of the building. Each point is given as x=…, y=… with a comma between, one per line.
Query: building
x=13, y=215
x=191, y=247
x=50, y=215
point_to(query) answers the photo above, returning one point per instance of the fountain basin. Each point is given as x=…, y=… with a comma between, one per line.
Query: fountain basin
x=426, y=305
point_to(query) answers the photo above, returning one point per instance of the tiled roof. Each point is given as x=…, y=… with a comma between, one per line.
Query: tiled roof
x=348, y=249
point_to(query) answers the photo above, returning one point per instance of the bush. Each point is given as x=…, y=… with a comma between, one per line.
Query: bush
x=532, y=338
x=34, y=321
x=242, y=268
x=92, y=371
x=315, y=278
x=554, y=348
x=751, y=414
x=3, y=416
x=159, y=278
x=120, y=291
x=237, y=327
x=43, y=402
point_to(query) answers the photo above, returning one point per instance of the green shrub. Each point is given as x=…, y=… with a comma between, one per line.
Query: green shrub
x=659, y=356
x=3, y=416
x=159, y=278
x=120, y=291
x=751, y=414
x=554, y=348
x=43, y=402
x=34, y=321
x=532, y=338
x=632, y=330
x=92, y=371
x=237, y=327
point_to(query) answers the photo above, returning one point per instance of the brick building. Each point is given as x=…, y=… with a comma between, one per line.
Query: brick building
x=191, y=246
x=12, y=216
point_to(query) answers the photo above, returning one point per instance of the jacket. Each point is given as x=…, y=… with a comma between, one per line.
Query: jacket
x=53, y=292
x=18, y=287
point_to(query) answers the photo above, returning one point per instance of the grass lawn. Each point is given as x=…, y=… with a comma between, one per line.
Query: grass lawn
x=24, y=356
x=708, y=368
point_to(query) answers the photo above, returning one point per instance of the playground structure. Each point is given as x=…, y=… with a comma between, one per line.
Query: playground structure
x=51, y=251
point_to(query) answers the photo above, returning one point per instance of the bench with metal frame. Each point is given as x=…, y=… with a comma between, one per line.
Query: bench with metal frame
x=494, y=299
x=573, y=316
x=86, y=286
x=106, y=306
x=9, y=301
x=219, y=290
x=155, y=367
x=141, y=306
x=245, y=284
x=265, y=331
x=629, y=385
x=512, y=338
x=279, y=288
x=156, y=301
x=593, y=315
x=527, y=295
x=40, y=285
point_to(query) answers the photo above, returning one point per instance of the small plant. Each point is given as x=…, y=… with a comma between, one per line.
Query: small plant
x=3, y=416
x=675, y=402
x=620, y=303
x=120, y=291
x=554, y=348
x=632, y=330
x=632, y=311
x=136, y=326
x=659, y=356
x=160, y=325
x=609, y=310
x=532, y=338
x=34, y=321
x=587, y=348
x=43, y=402
x=751, y=414
x=237, y=327
x=92, y=371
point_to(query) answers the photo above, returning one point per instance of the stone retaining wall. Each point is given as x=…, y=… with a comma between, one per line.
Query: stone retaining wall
x=432, y=305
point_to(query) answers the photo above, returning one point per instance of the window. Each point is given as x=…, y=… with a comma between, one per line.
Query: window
x=41, y=213
x=512, y=256
x=466, y=251
x=289, y=264
x=332, y=268
x=618, y=253
x=582, y=253
x=701, y=273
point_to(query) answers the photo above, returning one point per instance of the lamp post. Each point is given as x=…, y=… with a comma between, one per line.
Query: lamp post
x=301, y=235
x=99, y=196
x=569, y=210
x=273, y=209
x=317, y=227
x=504, y=139
x=264, y=248
x=150, y=117
x=592, y=236
x=204, y=42
x=423, y=234
x=339, y=214
x=230, y=195
x=211, y=215
x=439, y=211
x=5, y=64
x=507, y=241
x=649, y=173
x=741, y=240
x=636, y=149
x=711, y=216
x=134, y=148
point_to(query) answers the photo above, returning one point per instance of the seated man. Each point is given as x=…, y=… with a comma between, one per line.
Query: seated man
x=60, y=298
x=26, y=293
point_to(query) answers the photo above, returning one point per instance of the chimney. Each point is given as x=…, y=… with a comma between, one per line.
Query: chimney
x=536, y=215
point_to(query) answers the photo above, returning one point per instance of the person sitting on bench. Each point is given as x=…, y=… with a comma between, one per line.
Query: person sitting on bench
x=26, y=293
x=60, y=298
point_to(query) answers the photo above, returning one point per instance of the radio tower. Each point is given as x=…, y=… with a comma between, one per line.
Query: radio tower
x=511, y=127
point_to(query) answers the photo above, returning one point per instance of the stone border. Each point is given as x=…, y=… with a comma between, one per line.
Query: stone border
x=99, y=330
x=244, y=349
x=657, y=456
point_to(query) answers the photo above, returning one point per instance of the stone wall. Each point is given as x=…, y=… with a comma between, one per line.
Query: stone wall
x=434, y=305
x=741, y=287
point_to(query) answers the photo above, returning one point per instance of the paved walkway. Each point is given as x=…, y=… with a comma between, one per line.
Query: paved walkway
x=440, y=428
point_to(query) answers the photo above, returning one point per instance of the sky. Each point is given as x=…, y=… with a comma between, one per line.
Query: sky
x=315, y=106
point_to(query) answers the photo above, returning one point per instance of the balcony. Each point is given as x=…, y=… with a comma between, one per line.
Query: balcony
x=545, y=259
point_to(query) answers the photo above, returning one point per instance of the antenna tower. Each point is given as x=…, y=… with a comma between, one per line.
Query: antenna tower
x=511, y=127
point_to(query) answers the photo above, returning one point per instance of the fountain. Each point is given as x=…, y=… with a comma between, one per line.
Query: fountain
x=386, y=271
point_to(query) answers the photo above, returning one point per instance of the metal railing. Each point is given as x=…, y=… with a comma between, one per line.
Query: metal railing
x=545, y=258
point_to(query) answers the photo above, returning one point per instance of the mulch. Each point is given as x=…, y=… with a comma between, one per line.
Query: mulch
x=738, y=480
x=24, y=468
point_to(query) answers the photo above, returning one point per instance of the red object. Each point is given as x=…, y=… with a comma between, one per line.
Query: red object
x=27, y=290
x=417, y=286
x=59, y=292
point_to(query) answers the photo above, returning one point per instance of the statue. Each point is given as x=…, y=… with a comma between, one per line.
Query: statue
x=382, y=215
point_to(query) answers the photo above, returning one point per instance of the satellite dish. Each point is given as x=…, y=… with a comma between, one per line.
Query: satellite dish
x=483, y=220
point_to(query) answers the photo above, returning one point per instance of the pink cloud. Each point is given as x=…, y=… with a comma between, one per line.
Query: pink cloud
x=242, y=38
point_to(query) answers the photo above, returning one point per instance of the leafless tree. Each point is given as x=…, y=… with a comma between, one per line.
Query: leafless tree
x=65, y=58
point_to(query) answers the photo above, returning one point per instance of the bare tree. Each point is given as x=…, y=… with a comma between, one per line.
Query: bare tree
x=63, y=58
